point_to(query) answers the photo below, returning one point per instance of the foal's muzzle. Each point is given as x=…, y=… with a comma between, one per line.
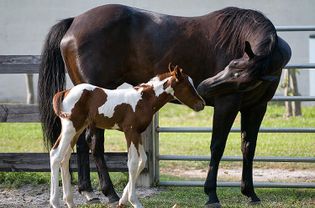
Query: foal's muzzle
x=199, y=106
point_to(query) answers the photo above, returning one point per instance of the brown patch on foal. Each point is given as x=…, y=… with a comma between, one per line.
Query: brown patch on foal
x=86, y=108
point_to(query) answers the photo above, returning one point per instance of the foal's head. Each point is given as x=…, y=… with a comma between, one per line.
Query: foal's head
x=184, y=90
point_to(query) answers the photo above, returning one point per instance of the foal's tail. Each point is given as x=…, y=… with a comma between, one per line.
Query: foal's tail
x=57, y=101
x=51, y=80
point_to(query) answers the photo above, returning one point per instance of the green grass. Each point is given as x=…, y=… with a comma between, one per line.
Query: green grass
x=18, y=137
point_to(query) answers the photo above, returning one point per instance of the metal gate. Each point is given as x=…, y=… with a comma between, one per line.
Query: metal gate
x=157, y=130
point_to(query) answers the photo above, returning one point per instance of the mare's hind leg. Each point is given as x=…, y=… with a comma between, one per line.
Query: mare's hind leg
x=225, y=111
x=250, y=123
x=84, y=181
x=96, y=142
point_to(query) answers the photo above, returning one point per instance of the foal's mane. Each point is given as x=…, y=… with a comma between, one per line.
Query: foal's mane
x=165, y=75
x=234, y=26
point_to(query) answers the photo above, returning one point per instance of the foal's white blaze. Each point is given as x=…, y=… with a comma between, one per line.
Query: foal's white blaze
x=116, y=97
x=74, y=95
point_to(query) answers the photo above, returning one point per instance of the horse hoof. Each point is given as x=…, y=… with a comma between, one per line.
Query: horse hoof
x=94, y=200
x=114, y=205
x=253, y=203
x=213, y=205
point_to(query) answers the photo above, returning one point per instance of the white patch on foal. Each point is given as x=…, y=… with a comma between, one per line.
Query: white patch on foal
x=74, y=95
x=158, y=86
x=124, y=85
x=117, y=97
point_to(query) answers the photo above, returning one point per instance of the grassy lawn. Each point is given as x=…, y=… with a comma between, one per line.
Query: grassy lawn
x=16, y=137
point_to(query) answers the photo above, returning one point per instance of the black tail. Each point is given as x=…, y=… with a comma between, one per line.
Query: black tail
x=51, y=80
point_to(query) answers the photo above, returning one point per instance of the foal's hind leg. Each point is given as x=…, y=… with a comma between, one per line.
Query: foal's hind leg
x=250, y=123
x=66, y=179
x=57, y=155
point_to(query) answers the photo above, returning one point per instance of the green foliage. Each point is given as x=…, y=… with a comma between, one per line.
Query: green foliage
x=18, y=179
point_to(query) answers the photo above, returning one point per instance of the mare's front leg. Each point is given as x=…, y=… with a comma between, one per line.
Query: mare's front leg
x=250, y=123
x=225, y=111
x=136, y=162
x=95, y=138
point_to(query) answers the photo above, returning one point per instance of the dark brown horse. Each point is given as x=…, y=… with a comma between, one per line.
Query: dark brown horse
x=233, y=55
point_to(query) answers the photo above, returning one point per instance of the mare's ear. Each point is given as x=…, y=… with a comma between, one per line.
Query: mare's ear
x=178, y=72
x=248, y=50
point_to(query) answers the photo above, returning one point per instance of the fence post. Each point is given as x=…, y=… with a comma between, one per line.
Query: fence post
x=30, y=89
x=146, y=178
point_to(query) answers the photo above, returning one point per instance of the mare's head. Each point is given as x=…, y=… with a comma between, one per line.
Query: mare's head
x=184, y=90
x=240, y=75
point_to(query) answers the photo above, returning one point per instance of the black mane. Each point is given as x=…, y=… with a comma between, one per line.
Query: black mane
x=235, y=26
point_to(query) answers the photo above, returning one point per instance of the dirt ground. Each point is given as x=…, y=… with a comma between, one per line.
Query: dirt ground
x=38, y=196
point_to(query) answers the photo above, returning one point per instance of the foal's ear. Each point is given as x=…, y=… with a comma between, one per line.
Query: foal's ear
x=178, y=72
x=170, y=67
x=248, y=50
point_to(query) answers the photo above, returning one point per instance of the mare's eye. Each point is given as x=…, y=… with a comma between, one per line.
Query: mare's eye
x=236, y=74
x=234, y=63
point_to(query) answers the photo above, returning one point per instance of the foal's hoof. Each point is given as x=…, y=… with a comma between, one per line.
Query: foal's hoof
x=119, y=206
x=213, y=205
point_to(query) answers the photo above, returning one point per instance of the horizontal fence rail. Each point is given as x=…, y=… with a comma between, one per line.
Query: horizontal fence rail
x=238, y=184
x=237, y=158
x=208, y=130
x=295, y=28
x=39, y=162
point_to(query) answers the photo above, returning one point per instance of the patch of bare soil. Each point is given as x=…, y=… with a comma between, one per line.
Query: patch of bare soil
x=282, y=175
x=38, y=196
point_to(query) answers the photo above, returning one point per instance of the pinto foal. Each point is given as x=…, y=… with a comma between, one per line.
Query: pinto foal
x=128, y=110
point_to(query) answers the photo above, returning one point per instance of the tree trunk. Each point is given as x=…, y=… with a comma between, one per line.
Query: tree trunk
x=293, y=108
x=296, y=105
x=286, y=86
